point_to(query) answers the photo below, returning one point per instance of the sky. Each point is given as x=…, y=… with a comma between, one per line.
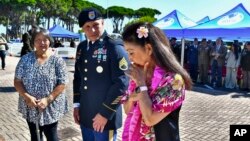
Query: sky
x=193, y=9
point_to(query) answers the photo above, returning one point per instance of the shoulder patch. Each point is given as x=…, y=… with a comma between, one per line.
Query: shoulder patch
x=123, y=64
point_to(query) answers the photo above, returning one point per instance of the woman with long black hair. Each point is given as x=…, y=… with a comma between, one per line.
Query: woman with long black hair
x=157, y=87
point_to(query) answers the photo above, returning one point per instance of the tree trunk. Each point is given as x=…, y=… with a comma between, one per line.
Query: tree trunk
x=7, y=29
x=48, y=22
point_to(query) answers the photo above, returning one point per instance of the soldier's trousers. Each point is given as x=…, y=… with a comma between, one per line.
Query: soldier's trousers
x=91, y=135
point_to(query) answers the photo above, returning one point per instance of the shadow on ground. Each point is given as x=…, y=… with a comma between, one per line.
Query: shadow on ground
x=240, y=95
x=67, y=132
x=219, y=91
x=7, y=89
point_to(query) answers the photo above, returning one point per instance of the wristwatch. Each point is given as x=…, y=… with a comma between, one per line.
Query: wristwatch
x=140, y=89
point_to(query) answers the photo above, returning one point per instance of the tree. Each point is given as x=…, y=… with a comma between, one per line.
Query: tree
x=144, y=15
x=142, y=12
x=70, y=18
x=117, y=15
x=53, y=9
x=11, y=12
x=18, y=15
x=142, y=19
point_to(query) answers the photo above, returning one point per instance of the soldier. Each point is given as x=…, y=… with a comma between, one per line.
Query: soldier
x=192, y=58
x=99, y=79
x=203, y=61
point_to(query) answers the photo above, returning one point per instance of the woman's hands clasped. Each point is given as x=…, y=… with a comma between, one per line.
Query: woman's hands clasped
x=41, y=104
x=31, y=101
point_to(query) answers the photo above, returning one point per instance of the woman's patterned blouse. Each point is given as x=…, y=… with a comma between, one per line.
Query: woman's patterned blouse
x=40, y=80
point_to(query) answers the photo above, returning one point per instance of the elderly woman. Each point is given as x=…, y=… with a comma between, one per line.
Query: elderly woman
x=157, y=88
x=40, y=80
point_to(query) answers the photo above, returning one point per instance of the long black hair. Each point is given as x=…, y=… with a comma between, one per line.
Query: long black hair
x=162, y=52
x=236, y=50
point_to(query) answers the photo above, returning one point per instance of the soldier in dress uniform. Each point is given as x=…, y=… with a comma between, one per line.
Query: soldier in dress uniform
x=99, y=79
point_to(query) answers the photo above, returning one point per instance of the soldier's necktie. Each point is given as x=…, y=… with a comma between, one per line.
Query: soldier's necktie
x=90, y=44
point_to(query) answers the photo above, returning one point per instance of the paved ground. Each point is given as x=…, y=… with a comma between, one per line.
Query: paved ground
x=205, y=116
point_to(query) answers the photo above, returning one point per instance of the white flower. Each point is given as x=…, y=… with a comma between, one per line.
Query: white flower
x=142, y=32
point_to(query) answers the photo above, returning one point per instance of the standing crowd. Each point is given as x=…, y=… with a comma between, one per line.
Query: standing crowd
x=215, y=64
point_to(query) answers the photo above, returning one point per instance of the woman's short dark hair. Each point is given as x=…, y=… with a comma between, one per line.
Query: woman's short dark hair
x=43, y=31
x=162, y=52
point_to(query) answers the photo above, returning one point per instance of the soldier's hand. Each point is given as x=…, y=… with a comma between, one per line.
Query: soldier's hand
x=76, y=116
x=99, y=123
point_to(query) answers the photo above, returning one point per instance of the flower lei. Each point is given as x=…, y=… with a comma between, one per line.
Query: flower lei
x=142, y=32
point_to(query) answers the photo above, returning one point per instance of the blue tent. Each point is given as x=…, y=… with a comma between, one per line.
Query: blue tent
x=58, y=31
x=203, y=20
x=234, y=24
x=173, y=24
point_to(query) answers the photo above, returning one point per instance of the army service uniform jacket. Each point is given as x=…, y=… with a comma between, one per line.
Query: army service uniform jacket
x=100, y=81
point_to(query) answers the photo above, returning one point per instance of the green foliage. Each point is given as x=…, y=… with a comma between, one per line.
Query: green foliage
x=18, y=15
x=148, y=19
x=81, y=4
x=142, y=19
x=142, y=12
x=27, y=2
x=117, y=15
x=120, y=12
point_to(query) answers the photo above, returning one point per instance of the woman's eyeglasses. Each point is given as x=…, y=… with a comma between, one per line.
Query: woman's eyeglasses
x=41, y=40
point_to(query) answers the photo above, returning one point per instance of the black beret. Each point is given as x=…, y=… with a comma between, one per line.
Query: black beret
x=88, y=14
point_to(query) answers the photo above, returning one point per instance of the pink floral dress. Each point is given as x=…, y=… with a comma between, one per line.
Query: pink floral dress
x=167, y=93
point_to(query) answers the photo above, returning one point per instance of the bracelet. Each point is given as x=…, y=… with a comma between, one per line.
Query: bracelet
x=50, y=98
x=140, y=89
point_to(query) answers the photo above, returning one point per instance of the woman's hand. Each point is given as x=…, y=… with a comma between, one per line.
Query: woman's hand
x=135, y=97
x=42, y=103
x=31, y=101
x=138, y=74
